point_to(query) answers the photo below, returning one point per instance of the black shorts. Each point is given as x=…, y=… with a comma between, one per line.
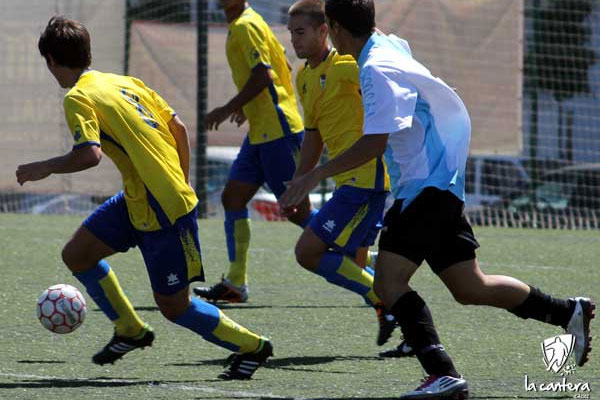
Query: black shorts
x=432, y=228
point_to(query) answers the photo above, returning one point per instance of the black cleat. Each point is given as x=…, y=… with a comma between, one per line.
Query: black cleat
x=223, y=291
x=403, y=350
x=120, y=345
x=387, y=324
x=241, y=366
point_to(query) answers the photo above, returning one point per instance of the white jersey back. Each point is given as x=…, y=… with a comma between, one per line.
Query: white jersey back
x=428, y=123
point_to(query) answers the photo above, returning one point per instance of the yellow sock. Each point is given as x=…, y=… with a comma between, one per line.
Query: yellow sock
x=230, y=331
x=239, y=264
x=352, y=272
x=128, y=322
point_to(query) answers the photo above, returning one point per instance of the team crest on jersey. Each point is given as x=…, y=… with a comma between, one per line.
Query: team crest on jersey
x=77, y=134
x=322, y=80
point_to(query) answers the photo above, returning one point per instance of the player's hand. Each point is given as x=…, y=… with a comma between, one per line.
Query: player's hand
x=238, y=117
x=214, y=118
x=297, y=190
x=31, y=172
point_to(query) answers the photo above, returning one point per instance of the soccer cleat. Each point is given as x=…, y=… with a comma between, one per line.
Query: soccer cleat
x=387, y=324
x=223, y=291
x=403, y=350
x=120, y=345
x=440, y=388
x=241, y=366
x=579, y=327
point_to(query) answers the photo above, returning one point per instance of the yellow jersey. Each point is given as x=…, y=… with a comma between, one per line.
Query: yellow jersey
x=273, y=113
x=330, y=97
x=129, y=121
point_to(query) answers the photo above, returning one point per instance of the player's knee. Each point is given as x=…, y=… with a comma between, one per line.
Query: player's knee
x=378, y=287
x=173, y=306
x=71, y=257
x=305, y=258
x=171, y=310
x=296, y=219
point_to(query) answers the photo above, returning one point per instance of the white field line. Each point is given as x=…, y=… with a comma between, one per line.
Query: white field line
x=168, y=386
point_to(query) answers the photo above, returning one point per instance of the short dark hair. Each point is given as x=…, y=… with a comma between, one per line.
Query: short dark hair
x=356, y=16
x=313, y=9
x=67, y=41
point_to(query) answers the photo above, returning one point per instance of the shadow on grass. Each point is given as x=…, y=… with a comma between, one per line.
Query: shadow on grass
x=41, y=362
x=51, y=382
x=289, y=363
x=227, y=306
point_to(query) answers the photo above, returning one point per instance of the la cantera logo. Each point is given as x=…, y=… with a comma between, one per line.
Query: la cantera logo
x=556, y=351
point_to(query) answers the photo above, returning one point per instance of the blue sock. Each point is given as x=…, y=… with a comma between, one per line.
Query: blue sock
x=91, y=280
x=342, y=271
x=203, y=318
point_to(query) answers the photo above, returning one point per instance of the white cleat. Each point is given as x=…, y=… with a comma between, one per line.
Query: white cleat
x=579, y=327
x=440, y=388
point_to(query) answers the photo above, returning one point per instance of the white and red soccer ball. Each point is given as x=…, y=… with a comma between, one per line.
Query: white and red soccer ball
x=61, y=308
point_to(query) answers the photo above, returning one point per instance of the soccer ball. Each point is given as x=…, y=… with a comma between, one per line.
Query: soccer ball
x=61, y=308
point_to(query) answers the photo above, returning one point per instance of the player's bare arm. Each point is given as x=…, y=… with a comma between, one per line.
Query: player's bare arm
x=179, y=132
x=363, y=150
x=259, y=80
x=310, y=152
x=77, y=160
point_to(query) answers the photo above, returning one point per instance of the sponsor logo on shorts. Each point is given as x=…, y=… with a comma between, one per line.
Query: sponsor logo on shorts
x=329, y=225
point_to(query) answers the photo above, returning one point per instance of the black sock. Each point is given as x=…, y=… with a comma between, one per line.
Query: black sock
x=414, y=318
x=545, y=308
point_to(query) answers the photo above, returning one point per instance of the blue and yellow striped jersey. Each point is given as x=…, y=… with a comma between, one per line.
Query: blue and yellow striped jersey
x=330, y=97
x=274, y=112
x=129, y=121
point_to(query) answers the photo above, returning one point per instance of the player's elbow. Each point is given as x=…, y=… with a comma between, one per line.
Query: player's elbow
x=89, y=156
x=94, y=156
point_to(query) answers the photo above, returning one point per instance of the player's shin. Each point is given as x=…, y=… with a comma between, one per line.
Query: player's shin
x=209, y=322
x=103, y=287
x=237, y=234
x=416, y=323
x=343, y=271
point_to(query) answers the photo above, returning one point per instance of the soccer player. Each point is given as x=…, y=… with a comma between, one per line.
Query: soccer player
x=330, y=95
x=423, y=128
x=121, y=117
x=266, y=98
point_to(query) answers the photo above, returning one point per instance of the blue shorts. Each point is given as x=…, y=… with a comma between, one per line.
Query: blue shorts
x=350, y=219
x=272, y=162
x=172, y=255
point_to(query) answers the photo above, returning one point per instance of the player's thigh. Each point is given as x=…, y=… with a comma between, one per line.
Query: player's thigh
x=413, y=231
x=457, y=242
x=84, y=250
x=106, y=231
x=172, y=255
x=350, y=219
x=245, y=177
x=278, y=160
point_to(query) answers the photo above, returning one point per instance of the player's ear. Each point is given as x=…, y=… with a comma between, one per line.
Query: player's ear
x=49, y=61
x=323, y=30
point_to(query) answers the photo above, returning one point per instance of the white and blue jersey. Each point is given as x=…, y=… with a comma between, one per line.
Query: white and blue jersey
x=428, y=124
